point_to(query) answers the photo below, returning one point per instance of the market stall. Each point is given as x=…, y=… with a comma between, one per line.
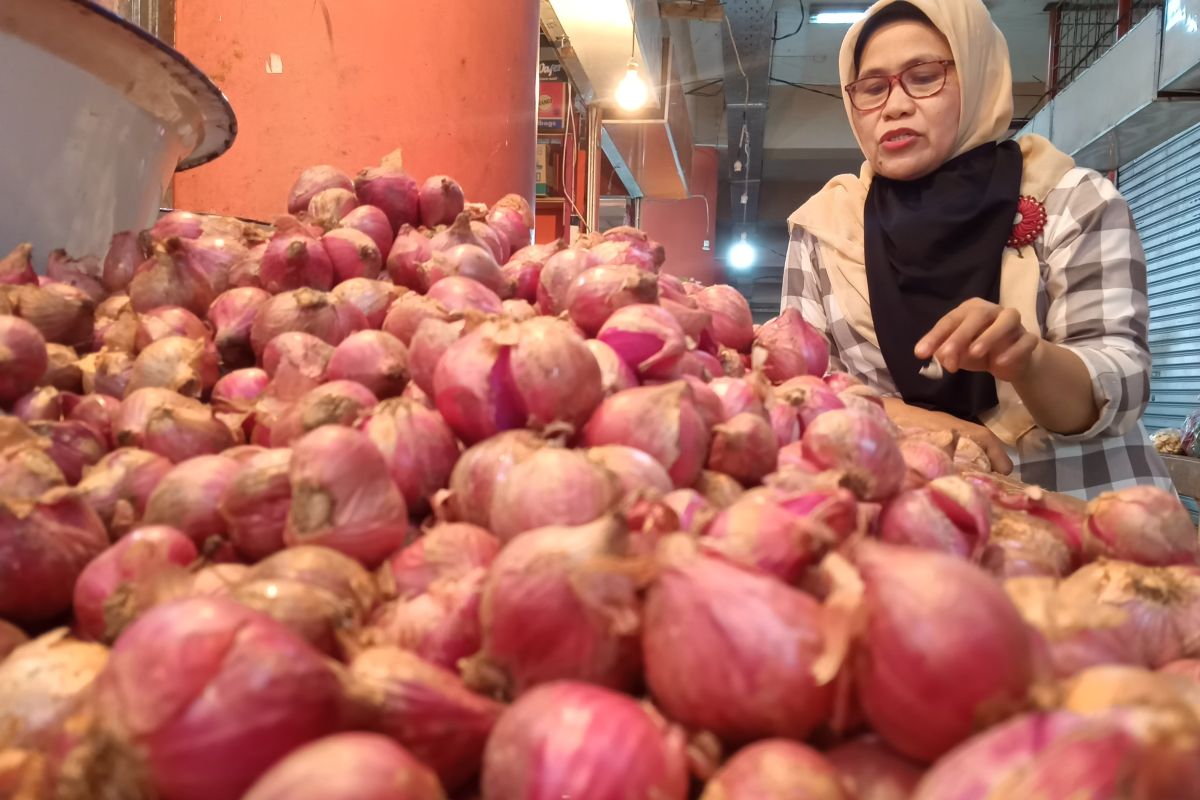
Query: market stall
x=379, y=497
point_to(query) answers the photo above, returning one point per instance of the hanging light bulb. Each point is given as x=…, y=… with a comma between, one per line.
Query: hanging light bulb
x=742, y=254
x=631, y=91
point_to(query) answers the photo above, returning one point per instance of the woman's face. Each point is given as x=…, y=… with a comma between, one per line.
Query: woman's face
x=905, y=139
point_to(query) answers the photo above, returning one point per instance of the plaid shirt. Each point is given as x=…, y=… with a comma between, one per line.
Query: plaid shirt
x=1092, y=301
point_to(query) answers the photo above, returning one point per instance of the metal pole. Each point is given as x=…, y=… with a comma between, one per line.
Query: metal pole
x=592, y=209
x=1055, y=40
x=1124, y=16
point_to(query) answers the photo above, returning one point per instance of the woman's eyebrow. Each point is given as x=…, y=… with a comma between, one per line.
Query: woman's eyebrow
x=876, y=71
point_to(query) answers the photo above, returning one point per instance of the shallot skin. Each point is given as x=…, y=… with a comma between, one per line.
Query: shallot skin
x=348, y=766
x=570, y=739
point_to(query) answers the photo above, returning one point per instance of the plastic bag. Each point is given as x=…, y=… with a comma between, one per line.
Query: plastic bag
x=1168, y=441
x=1189, y=444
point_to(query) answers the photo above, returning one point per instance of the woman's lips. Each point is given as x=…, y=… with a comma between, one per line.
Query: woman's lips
x=899, y=142
x=895, y=141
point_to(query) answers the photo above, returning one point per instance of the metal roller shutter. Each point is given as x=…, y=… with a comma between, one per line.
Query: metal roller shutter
x=1163, y=190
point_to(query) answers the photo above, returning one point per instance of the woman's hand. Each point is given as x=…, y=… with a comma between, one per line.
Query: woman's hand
x=980, y=336
x=907, y=416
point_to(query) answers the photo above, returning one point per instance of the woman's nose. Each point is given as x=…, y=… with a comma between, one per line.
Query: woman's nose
x=898, y=104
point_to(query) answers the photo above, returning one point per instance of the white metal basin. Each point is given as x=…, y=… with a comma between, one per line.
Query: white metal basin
x=95, y=117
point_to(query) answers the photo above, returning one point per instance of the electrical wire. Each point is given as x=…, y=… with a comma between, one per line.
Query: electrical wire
x=563, y=172
x=803, y=16
x=794, y=85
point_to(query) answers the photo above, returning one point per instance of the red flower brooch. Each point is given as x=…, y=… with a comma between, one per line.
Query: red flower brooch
x=1030, y=221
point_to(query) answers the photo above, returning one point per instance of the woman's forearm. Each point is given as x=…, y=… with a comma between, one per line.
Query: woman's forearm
x=1057, y=390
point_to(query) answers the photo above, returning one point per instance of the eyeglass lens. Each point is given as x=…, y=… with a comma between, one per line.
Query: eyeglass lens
x=918, y=81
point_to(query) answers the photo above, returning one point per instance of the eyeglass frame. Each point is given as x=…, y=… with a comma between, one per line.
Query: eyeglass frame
x=897, y=77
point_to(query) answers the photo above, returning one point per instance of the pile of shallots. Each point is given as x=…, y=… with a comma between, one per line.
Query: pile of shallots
x=385, y=501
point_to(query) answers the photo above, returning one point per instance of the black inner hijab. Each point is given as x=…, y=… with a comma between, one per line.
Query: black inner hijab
x=932, y=243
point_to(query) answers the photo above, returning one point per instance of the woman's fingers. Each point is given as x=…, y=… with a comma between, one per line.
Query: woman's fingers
x=1013, y=362
x=954, y=348
x=945, y=326
x=993, y=447
x=999, y=336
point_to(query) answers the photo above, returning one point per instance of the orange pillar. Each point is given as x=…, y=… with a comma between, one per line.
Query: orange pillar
x=343, y=82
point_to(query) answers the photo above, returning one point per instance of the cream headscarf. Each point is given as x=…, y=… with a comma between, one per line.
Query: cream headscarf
x=834, y=216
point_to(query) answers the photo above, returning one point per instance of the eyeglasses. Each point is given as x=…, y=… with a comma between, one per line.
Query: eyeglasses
x=918, y=81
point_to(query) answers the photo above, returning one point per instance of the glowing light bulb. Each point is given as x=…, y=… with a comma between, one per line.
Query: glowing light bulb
x=742, y=254
x=631, y=91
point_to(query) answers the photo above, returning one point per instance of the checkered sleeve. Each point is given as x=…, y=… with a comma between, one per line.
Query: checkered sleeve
x=802, y=289
x=1096, y=290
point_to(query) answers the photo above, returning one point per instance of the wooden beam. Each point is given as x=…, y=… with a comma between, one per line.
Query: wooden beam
x=704, y=10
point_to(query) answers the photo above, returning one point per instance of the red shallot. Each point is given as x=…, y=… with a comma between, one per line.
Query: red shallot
x=231, y=316
x=418, y=446
x=556, y=608
x=407, y=313
x=559, y=275
x=615, y=374
x=732, y=323
x=170, y=424
x=189, y=497
x=1143, y=524
x=343, y=497
x=389, y=189
x=744, y=447
x=788, y=346
x=353, y=254
x=372, y=297
x=943, y=649
x=313, y=181
x=46, y=544
x=118, y=486
x=647, y=338
x=374, y=359
x=337, y=402
x=731, y=650
x=181, y=364
x=861, y=447
x=73, y=445
x=512, y=217
x=448, y=550
x=481, y=469
x=16, y=268
x=572, y=739
x=949, y=514
x=237, y=391
x=295, y=259
x=441, y=624
x=62, y=314
x=183, y=272
x=328, y=206
x=638, y=472
x=870, y=771
x=599, y=291
x=206, y=729
x=23, y=358
x=554, y=486
x=663, y=421
x=255, y=504
x=142, y=553
x=426, y=709
x=505, y=375
x=458, y=293
x=758, y=532
x=306, y=311
x=42, y=683
x=440, y=200
x=348, y=766
x=776, y=769
x=374, y=223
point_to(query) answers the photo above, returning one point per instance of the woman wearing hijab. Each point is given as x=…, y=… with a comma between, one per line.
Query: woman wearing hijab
x=982, y=285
